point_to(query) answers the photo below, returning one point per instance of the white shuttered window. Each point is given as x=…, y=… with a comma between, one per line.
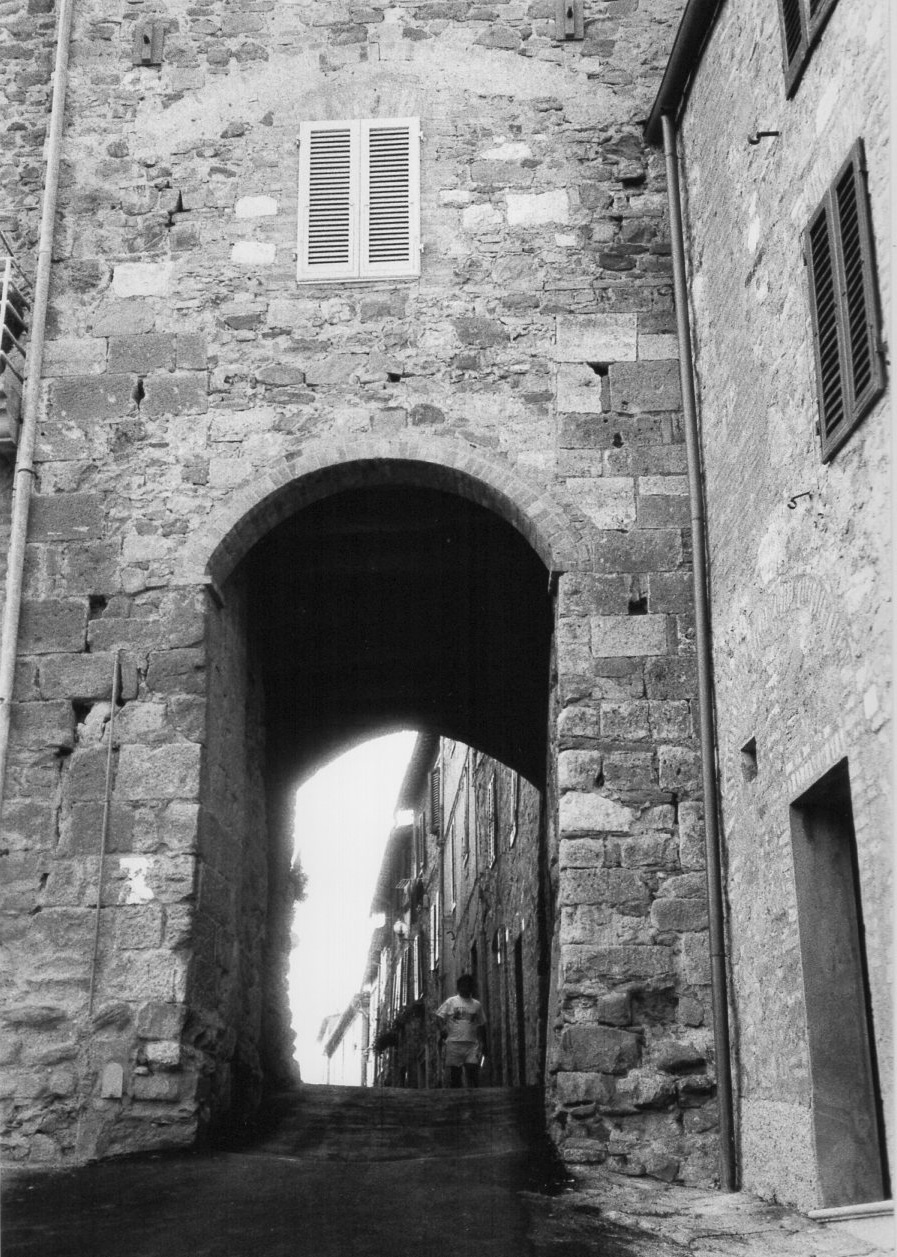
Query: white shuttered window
x=359, y=199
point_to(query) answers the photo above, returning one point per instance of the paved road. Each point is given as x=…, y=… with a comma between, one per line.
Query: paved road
x=338, y=1171
x=346, y=1172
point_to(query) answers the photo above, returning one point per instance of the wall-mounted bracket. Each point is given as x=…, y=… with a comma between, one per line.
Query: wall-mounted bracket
x=568, y=20
x=149, y=38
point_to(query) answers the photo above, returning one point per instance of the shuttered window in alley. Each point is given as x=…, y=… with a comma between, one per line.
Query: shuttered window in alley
x=843, y=304
x=801, y=23
x=359, y=199
x=435, y=801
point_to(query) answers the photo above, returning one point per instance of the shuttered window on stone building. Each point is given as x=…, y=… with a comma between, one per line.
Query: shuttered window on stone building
x=435, y=801
x=801, y=24
x=843, y=304
x=359, y=199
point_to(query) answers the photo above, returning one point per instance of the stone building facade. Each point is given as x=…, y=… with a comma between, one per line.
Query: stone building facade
x=798, y=535
x=216, y=446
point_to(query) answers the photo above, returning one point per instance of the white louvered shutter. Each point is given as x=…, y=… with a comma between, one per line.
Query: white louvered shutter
x=390, y=197
x=328, y=200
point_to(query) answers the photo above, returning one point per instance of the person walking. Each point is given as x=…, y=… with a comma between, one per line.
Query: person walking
x=462, y=1028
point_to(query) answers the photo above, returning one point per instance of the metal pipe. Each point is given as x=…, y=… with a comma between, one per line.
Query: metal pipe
x=104, y=828
x=24, y=472
x=691, y=38
x=719, y=985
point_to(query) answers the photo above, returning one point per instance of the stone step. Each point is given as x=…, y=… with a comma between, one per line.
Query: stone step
x=389, y=1124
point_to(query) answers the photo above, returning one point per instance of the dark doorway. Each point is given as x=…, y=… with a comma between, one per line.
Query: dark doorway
x=520, y=1011
x=847, y=1112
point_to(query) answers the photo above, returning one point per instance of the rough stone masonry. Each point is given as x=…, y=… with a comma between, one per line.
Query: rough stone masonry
x=189, y=380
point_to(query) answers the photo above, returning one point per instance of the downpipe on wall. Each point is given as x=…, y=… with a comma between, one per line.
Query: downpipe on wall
x=719, y=984
x=23, y=480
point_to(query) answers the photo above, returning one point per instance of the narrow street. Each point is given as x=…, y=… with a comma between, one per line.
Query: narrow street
x=385, y=1173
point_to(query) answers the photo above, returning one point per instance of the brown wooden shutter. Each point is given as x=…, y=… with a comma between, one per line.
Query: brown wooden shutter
x=435, y=801
x=827, y=328
x=839, y=250
x=801, y=23
x=794, y=31
x=858, y=284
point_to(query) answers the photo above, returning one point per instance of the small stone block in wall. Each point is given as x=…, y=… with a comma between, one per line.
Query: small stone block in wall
x=600, y=1048
x=159, y=772
x=255, y=207
x=603, y=338
x=191, y=352
x=582, y=813
x=93, y=398
x=160, y=1021
x=578, y=390
x=618, y=635
x=175, y=395
x=679, y=914
x=141, y=279
x=644, y=387
x=253, y=253
x=141, y=353
x=158, y=1087
x=657, y=347
x=534, y=209
x=53, y=626
x=81, y=356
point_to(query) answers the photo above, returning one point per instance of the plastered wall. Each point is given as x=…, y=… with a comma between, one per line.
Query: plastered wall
x=800, y=590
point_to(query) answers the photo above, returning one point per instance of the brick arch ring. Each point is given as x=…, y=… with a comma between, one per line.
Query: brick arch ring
x=561, y=534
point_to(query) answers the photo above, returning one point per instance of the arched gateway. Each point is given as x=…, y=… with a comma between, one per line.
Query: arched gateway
x=355, y=588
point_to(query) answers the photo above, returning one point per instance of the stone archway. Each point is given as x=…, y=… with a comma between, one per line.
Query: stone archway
x=559, y=532
x=481, y=503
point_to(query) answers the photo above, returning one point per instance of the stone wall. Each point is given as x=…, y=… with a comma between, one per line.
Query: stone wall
x=184, y=364
x=800, y=595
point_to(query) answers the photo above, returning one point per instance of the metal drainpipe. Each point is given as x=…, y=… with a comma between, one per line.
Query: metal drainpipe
x=718, y=980
x=24, y=472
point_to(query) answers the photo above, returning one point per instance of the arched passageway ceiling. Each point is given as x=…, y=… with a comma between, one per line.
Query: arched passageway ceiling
x=392, y=606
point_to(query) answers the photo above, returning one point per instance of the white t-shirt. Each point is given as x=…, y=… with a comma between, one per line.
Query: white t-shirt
x=461, y=1017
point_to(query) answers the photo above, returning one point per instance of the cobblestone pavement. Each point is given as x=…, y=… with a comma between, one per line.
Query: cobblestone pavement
x=608, y=1215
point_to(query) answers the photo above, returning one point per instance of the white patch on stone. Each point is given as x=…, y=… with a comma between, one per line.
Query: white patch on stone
x=455, y=196
x=870, y=702
x=828, y=103
x=578, y=389
x=753, y=235
x=596, y=338
x=532, y=209
x=771, y=552
x=507, y=152
x=142, y=279
x=135, y=869
x=565, y=242
x=112, y=1084
x=255, y=207
x=582, y=813
x=480, y=217
x=253, y=253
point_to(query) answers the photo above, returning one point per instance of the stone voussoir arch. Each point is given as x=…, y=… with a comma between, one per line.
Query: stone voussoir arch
x=560, y=533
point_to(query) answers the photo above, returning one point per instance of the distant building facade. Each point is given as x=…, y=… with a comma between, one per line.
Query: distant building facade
x=460, y=889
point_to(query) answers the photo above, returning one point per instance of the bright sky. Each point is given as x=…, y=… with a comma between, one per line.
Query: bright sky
x=344, y=815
